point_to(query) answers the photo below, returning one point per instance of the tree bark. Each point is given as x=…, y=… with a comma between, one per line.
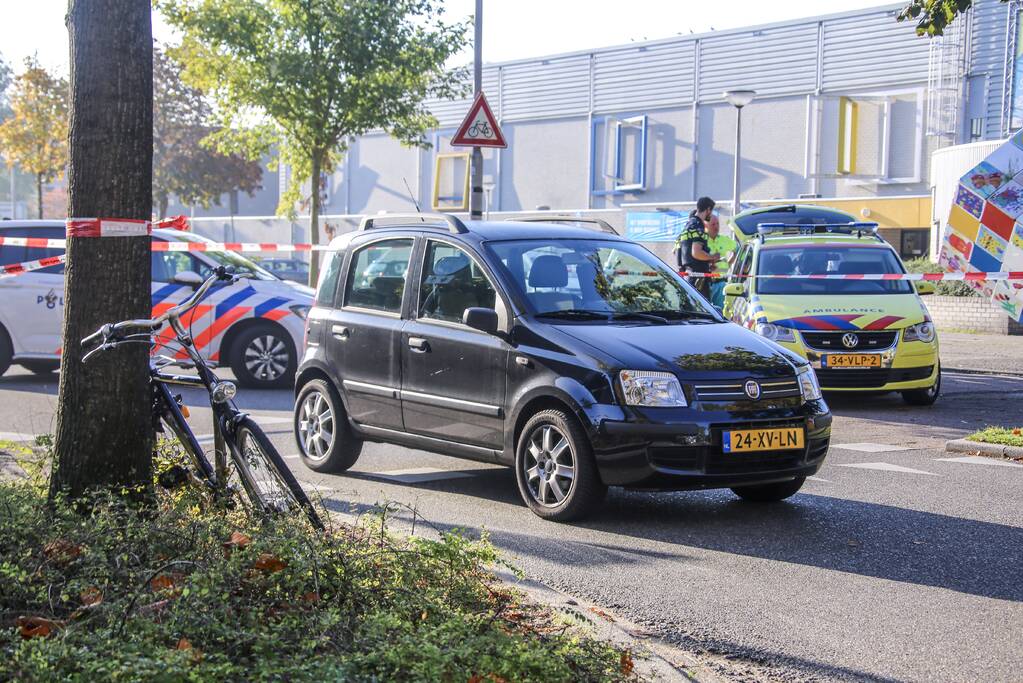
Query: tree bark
x=104, y=432
x=314, y=217
x=39, y=194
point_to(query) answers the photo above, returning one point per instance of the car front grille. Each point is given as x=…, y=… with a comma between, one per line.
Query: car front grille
x=866, y=341
x=869, y=378
x=772, y=388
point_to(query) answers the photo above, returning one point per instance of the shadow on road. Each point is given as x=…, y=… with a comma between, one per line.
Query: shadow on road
x=869, y=539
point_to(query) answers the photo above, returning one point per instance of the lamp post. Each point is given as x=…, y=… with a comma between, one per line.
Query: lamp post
x=738, y=99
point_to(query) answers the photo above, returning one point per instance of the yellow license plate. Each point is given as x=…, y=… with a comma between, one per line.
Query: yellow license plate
x=745, y=440
x=851, y=360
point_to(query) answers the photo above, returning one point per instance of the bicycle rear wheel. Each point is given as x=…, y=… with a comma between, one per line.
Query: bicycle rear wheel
x=266, y=478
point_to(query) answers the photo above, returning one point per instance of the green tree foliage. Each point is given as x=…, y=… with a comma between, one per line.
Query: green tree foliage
x=35, y=135
x=933, y=16
x=308, y=75
x=183, y=166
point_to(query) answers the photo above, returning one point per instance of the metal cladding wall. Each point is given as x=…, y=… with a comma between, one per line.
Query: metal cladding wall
x=551, y=110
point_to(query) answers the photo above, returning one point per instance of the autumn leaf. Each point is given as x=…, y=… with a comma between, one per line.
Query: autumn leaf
x=91, y=596
x=62, y=551
x=269, y=563
x=37, y=627
x=237, y=541
x=311, y=597
x=167, y=583
x=626, y=664
x=186, y=645
x=601, y=613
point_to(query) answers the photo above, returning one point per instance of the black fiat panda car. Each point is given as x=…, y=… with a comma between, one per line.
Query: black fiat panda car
x=573, y=355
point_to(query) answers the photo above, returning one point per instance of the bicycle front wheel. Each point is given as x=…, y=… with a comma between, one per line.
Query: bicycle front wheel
x=266, y=478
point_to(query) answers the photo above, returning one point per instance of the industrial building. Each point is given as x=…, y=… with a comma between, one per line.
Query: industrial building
x=849, y=109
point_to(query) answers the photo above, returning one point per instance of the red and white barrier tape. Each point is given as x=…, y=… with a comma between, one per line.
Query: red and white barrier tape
x=108, y=227
x=241, y=247
x=19, y=268
x=929, y=277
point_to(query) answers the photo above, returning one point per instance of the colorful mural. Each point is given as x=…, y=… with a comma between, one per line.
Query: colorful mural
x=984, y=232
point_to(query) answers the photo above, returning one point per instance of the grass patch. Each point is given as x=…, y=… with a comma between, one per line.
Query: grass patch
x=1003, y=436
x=186, y=591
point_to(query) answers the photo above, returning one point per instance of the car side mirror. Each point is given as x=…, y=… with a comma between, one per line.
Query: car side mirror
x=482, y=319
x=735, y=289
x=188, y=277
x=924, y=287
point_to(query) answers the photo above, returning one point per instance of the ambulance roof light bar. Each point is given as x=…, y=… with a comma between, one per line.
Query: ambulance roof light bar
x=858, y=227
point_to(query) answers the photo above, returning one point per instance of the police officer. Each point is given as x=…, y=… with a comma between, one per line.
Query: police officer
x=693, y=254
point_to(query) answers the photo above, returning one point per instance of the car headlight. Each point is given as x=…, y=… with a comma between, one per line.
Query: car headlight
x=301, y=310
x=651, y=389
x=920, y=332
x=776, y=333
x=808, y=384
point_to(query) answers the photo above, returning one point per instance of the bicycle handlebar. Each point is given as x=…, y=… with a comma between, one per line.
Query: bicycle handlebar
x=108, y=331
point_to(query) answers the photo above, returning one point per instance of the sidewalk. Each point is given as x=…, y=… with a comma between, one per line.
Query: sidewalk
x=994, y=353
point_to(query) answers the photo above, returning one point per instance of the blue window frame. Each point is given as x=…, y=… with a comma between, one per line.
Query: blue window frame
x=618, y=150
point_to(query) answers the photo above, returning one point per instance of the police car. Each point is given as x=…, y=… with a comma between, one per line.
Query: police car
x=254, y=326
x=860, y=334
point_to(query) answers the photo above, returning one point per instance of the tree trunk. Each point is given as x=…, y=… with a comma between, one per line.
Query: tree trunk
x=162, y=209
x=104, y=433
x=39, y=194
x=314, y=217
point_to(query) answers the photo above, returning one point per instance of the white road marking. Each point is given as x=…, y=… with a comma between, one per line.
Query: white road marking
x=291, y=456
x=318, y=487
x=17, y=436
x=887, y=467
x=271, y=419
x=826, y=481
x=417, y=475
x=980, y=460
x=868, y=447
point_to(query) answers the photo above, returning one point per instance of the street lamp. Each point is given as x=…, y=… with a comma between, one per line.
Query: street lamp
x=738, y=99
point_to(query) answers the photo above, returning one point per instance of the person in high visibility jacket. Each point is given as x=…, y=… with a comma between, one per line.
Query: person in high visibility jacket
x=723, y=245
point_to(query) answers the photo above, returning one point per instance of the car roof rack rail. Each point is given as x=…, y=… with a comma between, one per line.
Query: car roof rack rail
x=437, y=220
x=602, y=225
x=858, y=227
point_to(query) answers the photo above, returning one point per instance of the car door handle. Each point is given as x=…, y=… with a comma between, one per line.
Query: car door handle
x=339, y=331
x=418, y=344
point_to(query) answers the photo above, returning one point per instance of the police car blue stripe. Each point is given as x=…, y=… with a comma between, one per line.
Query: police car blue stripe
x=164, y=292
x=232, y=301
x=268, y=305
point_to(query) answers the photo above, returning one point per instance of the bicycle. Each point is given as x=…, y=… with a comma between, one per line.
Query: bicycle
x=268, y=483
x=480, y=129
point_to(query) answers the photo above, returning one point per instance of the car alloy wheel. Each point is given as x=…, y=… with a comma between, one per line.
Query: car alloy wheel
x=549, y=466
x=316, y=426
x=266, y=357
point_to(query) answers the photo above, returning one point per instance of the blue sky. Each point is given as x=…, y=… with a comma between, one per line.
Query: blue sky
x=513, y=29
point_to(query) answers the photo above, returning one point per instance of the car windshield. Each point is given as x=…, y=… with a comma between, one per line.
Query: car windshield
x=830, y=260
x=797, y=215
x=241, y=264
x=580, y=279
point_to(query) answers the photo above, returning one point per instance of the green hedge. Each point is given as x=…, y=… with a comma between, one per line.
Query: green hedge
x=165, y=594
x=944, y=288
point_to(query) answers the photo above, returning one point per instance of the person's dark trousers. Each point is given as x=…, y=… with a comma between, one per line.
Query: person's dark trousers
x=702, y=285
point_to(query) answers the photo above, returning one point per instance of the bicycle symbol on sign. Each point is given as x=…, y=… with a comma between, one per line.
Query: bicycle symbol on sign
x=480, y=129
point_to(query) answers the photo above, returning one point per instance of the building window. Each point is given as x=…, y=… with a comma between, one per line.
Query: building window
x=451, y=182
x=618, y=155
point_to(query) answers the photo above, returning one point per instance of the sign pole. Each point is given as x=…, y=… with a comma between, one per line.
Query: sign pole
x=476, y=196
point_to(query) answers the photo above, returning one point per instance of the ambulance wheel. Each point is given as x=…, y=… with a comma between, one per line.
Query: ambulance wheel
x=41, y=367
x=924, y=397
x=263, y=357
x=6, y=351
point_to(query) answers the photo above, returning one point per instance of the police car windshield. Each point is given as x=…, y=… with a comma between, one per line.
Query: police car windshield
x=597, y=278
x=242, y=265
x=829, y=260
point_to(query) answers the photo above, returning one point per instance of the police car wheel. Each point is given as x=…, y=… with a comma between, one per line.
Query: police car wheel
x=769, y=493
x=6, y=351
x=263, y=357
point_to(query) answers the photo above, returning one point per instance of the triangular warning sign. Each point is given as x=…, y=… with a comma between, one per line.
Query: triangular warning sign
x=479, y=129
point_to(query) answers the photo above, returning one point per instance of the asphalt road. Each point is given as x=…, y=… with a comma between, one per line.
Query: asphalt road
x=899, y=561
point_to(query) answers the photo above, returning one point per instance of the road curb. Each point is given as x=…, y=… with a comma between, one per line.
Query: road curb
x=654, y=660
x=967, y=446
x=978, y=371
